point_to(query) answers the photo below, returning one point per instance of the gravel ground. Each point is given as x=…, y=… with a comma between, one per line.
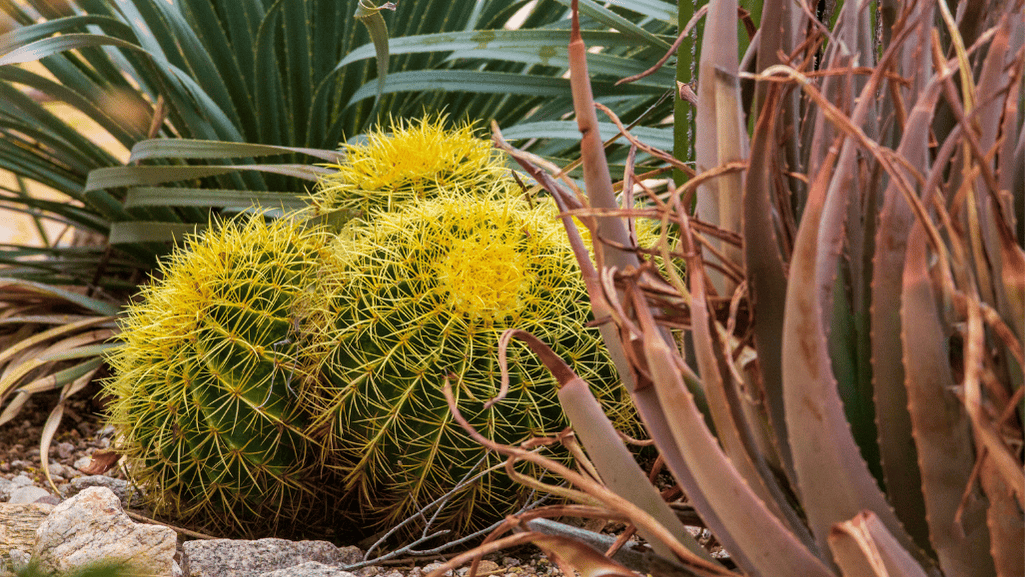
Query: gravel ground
x=82, y=433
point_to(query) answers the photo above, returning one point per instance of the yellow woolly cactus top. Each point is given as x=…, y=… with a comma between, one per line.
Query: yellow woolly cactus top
x=415, y=160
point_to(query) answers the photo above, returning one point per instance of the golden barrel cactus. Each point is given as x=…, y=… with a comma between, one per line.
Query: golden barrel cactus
x=422, y=295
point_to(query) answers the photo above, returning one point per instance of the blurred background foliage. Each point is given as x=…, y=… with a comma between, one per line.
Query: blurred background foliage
x=152, y=77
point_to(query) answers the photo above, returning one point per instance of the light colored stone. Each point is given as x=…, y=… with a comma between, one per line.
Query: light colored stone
x=130, y=496
x=30, y=494
x=436, y=565
x=237, y=558
x=309, y=569
x=21, y=480
x=6, y=486
x=92, y=527
x=18, y=559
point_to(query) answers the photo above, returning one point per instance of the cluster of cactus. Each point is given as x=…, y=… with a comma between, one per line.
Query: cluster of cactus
x=284, y=373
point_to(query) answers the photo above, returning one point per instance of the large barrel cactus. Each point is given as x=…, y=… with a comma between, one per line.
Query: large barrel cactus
x=205, y=386
x=422, y=295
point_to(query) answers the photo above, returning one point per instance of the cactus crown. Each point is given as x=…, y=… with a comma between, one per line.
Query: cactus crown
x=204, y=395
x=418, y=159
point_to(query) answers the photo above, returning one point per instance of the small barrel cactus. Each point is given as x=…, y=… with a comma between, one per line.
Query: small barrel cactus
x=417, y=159
x=422, y=295
x=204, y=397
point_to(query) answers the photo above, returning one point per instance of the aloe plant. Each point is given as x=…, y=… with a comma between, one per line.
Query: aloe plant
x=859, y=336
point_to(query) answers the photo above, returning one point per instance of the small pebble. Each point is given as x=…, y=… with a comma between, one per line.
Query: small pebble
x=19, y=559
x=65, y=450
x=435, y=565
x=22, y=480
x=82, y=462
x=28, y=495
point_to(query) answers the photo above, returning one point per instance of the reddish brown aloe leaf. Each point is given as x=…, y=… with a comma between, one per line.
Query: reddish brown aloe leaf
x=897, y=451
x=988, y=438
x=863, y=547
x=834, y=481
x=723, y=391
x=614, y=462
x=763, y=265
x=1000, y=474
x=1003, y=517
x=718, y=51
x=758, y=541
x=592, y=152
x=940, y=426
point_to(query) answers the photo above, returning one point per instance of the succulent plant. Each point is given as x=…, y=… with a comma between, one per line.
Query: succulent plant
x=416, y=159
x=422, y=295
x=204, y=390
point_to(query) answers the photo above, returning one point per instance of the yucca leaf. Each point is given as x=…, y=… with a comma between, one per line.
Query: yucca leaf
x=211, y=197
x=28, y=34
x=211, y=149
x=56, y=44
x=542, y=42
x=370, y=16
x=482, y=82
x=91, y=304
x=567, y=130
x=593, y=10
x=104, y=178
x=135, y=232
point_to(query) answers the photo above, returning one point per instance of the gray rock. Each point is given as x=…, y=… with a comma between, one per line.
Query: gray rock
x=29, y=494
x=237, y=558
x=21, y=480
x=65, y=450
x=59, y=470
x=309, y=569
x=6, y=486
x=92, y=527
x=129, y=495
